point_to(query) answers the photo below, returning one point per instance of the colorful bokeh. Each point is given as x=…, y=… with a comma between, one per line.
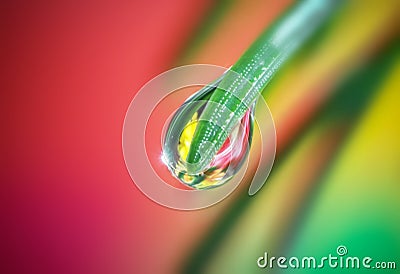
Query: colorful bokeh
x=70, y=71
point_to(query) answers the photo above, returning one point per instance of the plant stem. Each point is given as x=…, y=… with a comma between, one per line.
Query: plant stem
x=242, y=84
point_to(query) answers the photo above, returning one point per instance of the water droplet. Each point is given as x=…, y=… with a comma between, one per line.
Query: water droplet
x=179, y=136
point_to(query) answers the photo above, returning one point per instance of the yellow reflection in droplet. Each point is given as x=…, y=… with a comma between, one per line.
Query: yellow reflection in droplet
x=187, y=136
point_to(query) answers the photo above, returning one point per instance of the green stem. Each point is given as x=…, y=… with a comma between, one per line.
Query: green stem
x=242, y=84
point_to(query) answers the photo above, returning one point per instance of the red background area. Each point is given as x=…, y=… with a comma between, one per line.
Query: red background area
x=70, y=70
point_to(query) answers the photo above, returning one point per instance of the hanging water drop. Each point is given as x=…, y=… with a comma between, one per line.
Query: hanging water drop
x=209, y=136
x=228, y=158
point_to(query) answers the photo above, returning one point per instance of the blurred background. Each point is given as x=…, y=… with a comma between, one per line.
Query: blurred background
x=70, y=71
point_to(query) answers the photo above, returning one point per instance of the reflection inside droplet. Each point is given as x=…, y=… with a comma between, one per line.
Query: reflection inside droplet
x=179, y=136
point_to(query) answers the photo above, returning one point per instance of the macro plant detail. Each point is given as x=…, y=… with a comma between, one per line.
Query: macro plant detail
x=209, y=136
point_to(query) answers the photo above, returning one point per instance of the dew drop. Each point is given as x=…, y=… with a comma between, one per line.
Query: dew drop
x=179, y=135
